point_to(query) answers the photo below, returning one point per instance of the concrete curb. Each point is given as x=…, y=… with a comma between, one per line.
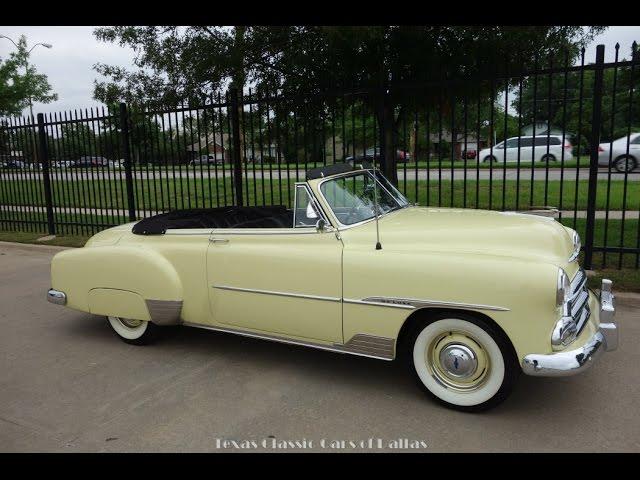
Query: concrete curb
x=32, y=246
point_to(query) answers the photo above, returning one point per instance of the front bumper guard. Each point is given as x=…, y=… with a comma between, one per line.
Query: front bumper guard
x=572, y=362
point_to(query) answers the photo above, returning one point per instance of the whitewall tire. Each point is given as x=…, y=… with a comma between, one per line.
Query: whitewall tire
x=136, y=332
x=463, y=361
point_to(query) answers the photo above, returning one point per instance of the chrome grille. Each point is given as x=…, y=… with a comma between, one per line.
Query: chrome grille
x=578, y=304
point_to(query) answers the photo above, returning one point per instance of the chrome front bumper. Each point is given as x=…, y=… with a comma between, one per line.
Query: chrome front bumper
x=56, y=296
x=571, y=362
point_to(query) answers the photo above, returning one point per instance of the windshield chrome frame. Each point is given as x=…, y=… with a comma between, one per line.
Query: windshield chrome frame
x=370, y=171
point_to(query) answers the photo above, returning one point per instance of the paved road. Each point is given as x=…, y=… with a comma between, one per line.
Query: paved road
x=497, y=174
x=67, y=384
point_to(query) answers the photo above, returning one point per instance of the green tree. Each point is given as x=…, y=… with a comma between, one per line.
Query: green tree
x=566, y=102
x=190, y=63
x=20, y=82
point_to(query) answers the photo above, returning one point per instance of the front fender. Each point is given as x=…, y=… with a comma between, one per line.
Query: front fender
x=522, y=290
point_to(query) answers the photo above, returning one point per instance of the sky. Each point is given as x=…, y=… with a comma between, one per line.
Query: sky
x=69, y=63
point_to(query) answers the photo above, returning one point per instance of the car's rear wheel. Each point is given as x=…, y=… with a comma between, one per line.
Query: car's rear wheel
x=625, y=163
x=135, y=332
x=548, y=158
x=463, y=362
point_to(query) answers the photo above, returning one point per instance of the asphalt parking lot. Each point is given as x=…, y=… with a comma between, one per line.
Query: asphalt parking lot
x=68, y=384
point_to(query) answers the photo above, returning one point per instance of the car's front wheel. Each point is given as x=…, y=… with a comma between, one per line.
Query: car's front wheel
x=625, y=163
x=463, y=362
x=135, y=332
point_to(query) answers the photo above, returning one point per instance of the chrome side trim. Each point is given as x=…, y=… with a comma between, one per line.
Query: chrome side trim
x=413, y=303
x=57, y=297
x=381, y=347
x=164, y=312
x=351, y=349
x=281, y=231
x=281, y=294
x=369, y=301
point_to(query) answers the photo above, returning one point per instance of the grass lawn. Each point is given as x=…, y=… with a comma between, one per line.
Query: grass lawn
x=173, y=193
x=32, y=237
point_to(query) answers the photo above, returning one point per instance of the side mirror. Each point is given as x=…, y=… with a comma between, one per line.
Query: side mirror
x=321, y=225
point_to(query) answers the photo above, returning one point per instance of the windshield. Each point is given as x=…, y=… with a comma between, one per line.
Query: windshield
x=352, y=197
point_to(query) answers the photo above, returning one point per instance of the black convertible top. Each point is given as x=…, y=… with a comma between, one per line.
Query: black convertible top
x=329, y=170
x=337, y=168
x=223, y=217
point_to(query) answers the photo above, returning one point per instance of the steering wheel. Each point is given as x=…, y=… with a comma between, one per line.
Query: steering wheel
x=355, y=210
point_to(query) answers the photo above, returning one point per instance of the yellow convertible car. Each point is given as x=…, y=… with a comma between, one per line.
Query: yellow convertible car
x=470, y=298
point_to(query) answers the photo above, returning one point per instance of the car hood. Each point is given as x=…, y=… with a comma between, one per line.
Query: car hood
x=472, y=231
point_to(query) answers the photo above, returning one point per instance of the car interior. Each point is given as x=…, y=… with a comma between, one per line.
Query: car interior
x=277, y=216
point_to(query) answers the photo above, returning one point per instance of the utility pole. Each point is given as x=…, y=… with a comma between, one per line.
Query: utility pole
x=26, y=73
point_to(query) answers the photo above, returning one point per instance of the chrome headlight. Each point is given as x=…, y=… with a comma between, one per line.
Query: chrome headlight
x=563, y=288
x=577, y=244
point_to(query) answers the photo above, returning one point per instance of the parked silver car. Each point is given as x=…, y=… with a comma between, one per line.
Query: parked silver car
x=622, y=154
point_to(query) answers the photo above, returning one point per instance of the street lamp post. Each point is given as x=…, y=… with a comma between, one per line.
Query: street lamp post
x=26, y=71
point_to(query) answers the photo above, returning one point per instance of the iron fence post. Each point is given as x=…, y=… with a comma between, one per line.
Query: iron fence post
x=43, y=155
x=128, y=169
x=594, y=141
x=388, y=163
x=236, y=153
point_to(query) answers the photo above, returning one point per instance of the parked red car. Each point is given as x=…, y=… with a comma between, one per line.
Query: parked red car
x=469, y=154
x=374, y=153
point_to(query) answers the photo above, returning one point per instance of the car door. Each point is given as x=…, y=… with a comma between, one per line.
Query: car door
x=281, y=281
x=634, y=147
x=511, y=150
x=542, y=147
x=526, y=149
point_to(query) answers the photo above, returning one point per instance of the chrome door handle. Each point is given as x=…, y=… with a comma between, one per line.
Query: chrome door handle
x=219, y=240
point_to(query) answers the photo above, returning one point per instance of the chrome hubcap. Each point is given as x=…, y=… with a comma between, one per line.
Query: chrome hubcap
x=458, y=360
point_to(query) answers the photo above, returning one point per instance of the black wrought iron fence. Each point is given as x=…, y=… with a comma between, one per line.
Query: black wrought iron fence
x=563, y=135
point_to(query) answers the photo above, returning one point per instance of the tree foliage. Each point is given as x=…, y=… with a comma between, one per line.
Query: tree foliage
x=176, y=64
x=21, y=83
x=566, y=102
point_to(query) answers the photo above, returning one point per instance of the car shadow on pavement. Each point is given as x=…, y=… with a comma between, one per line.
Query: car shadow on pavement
x=369, y=375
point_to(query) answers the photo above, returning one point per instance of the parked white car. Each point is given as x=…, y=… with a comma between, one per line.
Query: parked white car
x=617, y=154
x=539, y=149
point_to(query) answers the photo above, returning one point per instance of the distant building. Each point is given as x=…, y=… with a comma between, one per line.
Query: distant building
x=462, y=143
x=216, y=144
